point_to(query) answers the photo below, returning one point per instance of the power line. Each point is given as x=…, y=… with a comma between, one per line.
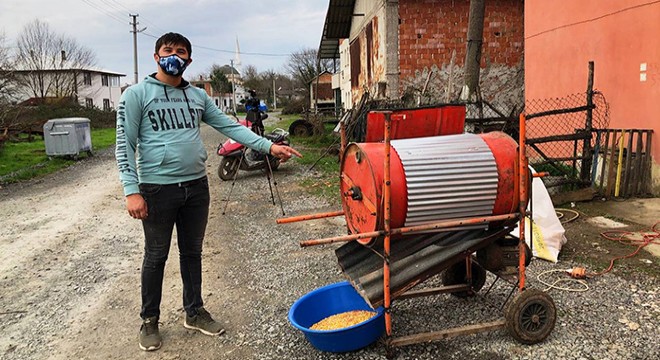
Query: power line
x=222, y=50
x=111, y=15
x=593, y=19
x=131, y=11
x=114, y=5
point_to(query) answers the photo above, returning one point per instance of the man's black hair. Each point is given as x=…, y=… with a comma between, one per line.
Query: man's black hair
x=173, y=39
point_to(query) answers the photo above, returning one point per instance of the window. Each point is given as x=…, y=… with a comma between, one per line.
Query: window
x=89, y=102
x=106, y=104
x=87, y=78
x=104, y=80
x=114, y=81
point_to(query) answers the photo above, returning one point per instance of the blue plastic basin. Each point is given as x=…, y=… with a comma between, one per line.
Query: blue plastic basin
x=330, y=300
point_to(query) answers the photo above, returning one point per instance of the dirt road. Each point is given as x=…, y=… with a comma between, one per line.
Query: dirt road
x=70, y=262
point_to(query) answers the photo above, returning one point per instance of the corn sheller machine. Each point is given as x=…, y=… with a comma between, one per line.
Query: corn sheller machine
x=421, y=197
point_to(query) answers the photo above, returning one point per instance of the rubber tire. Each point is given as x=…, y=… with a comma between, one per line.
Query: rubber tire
x=524, y=305
x=228, y=168
x=457, y=274
x=301, y=128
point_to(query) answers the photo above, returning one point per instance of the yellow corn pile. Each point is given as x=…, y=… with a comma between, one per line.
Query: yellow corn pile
x=343, y=320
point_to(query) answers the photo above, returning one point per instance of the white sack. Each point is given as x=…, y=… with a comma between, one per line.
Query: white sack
x=548, y=231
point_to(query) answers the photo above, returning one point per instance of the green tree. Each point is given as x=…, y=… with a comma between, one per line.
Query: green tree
x=219, y=81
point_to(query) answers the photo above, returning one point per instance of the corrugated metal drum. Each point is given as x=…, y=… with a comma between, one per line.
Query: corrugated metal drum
x=432, y=179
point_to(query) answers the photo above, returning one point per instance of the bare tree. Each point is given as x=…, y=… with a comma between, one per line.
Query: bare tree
x=6, y=71
x=251, y=79
x=7, y=82
x=304, y=66
x=50, y=63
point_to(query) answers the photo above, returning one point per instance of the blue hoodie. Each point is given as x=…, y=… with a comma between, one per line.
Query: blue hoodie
x=161, y=123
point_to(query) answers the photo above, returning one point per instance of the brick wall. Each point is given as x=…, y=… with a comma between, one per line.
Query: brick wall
x=431, y=29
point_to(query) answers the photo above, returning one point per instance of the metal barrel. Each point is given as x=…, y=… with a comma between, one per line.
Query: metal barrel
x=432, y=179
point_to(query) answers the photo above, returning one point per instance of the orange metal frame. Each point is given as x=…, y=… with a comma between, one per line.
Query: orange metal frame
x=387, y=232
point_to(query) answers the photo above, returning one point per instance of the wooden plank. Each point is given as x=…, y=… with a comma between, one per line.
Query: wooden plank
x=559, y=159
x=646, y=167
x=637, y=167
x=560, y=111
x=444, y=334
x=604, y=162
x=575, y=145
x=544, y=156
x=626, y=168
x=594, y=159
x=579, y=135
x=563, y=197
x=610, y=170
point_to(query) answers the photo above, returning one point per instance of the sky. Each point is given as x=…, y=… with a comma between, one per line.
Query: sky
x=267, y=31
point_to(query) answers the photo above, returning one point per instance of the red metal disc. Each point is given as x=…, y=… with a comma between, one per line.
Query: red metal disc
x=361, y=188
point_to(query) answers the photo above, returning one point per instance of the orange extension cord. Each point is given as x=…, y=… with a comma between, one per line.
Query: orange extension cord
x=651, y=236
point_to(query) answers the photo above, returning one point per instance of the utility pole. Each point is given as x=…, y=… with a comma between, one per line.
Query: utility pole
x=473, y=54
x=135, y=31
x=233, y=89
x=274, y=96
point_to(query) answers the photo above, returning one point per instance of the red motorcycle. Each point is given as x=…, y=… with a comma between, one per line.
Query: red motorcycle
x=236, y=157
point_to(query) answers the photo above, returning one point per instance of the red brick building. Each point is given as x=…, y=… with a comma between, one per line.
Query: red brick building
x=321, y=93
x=418, y=47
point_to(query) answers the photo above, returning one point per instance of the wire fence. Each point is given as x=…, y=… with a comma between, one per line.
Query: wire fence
x=560, y=136
x=560, y=131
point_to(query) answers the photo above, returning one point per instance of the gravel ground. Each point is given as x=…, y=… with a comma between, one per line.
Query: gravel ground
x=70, y=259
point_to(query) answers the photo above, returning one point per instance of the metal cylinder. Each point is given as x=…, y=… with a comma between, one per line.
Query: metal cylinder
x=432, y=179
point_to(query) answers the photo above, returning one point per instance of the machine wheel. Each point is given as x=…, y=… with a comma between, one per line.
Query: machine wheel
x=530, y=316
x=301, y=128
x=457, y=274
x=228, y=168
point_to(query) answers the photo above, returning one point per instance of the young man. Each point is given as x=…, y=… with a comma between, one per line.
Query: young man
x=159, y=119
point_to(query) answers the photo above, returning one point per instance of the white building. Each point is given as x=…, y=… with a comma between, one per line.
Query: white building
x=91, y=87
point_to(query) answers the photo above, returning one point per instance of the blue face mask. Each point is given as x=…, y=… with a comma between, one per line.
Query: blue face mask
x=173, y=64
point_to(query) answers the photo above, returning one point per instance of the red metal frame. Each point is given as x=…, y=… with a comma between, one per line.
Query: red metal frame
x=388, y=232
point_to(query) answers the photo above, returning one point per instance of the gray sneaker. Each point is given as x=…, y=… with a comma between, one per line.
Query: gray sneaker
x=204, y=323
x=149, y=336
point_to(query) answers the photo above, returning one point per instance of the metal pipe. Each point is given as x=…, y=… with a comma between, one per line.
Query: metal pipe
x=387, y=302
x=411, y=229
x=522, y=169
x=293, y=219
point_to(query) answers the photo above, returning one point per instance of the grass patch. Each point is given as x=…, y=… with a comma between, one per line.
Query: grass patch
x=23, y=160
x=325, y=181
x=284, y=122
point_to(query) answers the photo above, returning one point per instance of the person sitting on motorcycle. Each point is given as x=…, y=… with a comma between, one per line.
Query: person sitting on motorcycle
x=255, y=112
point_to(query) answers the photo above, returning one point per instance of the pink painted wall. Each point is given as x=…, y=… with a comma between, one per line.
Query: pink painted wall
x=562, y=36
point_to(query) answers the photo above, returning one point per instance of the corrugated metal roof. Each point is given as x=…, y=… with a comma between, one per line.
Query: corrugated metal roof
x=337, y=26
x=413, y=259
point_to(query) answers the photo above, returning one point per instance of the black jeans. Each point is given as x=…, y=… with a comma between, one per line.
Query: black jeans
x=185, y=205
